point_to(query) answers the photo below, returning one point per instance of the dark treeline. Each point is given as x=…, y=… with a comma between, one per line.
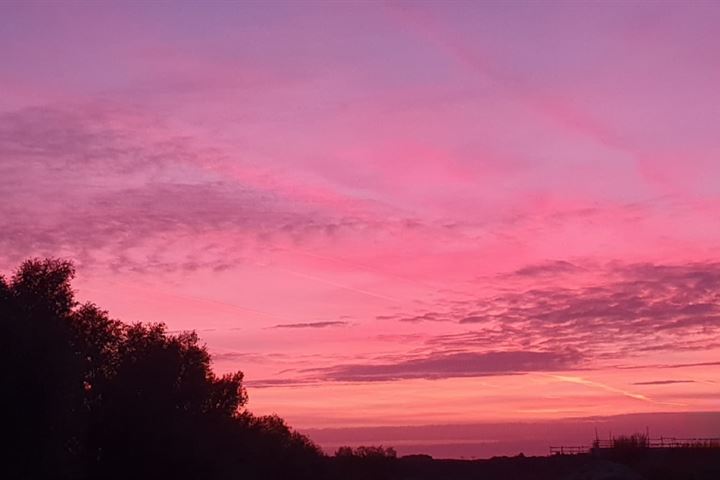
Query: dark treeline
x=87, y=396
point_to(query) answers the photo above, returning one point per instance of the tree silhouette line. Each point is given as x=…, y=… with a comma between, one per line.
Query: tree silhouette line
x=86, y=396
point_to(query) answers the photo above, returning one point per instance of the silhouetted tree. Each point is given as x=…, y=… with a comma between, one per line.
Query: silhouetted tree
x=42, y=377
x=86, y=396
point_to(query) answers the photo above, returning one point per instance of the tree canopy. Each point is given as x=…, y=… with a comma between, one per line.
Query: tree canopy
x=87, y=396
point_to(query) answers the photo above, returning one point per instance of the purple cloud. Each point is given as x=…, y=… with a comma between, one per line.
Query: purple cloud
x=425, y=317
x=558, y=267
x=467, y=364
x=96, y=181
x=311, y=325
x=664, y=382
x=637, y=308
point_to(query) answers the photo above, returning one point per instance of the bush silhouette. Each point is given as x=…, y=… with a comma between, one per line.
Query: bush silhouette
x=362, y=462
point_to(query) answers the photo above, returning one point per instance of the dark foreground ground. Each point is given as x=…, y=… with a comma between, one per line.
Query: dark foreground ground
x=650, y=465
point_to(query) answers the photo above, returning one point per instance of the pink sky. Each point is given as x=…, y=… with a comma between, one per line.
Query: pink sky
x=396, y=214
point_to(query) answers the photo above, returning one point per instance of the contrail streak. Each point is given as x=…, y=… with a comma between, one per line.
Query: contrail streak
x=609, y=388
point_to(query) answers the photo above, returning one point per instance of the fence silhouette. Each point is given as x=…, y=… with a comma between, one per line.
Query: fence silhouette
x=661, y=442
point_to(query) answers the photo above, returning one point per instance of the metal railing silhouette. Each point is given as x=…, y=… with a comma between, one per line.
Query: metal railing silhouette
x=620, y=442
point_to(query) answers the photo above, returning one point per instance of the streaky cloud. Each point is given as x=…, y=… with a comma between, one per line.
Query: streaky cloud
x=311, y=325
x=664, y=382
x=465, y=364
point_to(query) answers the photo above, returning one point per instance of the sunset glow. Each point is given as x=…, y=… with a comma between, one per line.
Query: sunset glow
x=387, y=215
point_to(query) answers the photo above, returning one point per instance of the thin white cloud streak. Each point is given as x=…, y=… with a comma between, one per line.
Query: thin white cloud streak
x=609, y=388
